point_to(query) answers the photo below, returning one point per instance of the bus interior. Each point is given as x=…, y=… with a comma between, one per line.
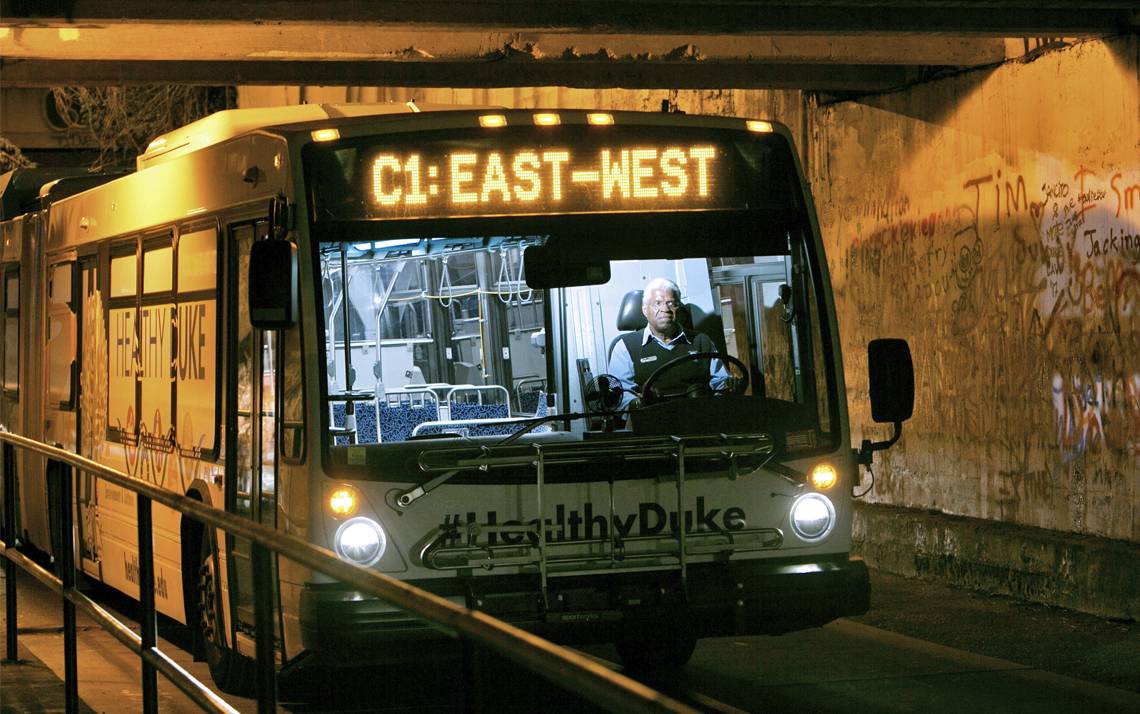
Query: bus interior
x=442, y=336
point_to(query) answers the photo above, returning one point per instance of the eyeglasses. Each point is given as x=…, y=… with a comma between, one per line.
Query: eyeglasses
x=666, y=304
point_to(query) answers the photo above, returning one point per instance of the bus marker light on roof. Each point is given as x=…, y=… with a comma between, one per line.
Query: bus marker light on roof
x=325, y=135
x=156, y=144
x=600, y=119
x=491, y=121
x=547, y=119
x=761, y=127
x=823, y=477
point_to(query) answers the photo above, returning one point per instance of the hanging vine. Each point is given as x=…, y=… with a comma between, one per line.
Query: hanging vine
x=120, y=121
x=12, y=158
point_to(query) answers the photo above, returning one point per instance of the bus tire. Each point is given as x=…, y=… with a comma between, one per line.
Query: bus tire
x=232, y=672
x=655, y=653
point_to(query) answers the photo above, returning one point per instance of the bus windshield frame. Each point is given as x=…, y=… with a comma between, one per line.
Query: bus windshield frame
x=727, y=235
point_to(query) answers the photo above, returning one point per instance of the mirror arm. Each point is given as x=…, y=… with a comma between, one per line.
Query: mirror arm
x=868, y=448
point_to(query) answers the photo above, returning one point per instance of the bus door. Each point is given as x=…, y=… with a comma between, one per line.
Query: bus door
x=60, y=360
x=92, y=341
x=251, y=463
x=755, y=310
x=9, y=395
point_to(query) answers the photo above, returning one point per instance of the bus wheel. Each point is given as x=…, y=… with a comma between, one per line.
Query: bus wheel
x=656, y=652
x=232, y=672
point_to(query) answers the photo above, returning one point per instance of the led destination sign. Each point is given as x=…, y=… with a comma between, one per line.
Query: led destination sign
x=494, y=179
x=528, y=174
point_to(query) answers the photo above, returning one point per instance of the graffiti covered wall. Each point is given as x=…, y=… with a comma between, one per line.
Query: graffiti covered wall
x=993, y=220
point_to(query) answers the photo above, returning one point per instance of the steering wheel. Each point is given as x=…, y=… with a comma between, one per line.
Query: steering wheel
x=651, y=393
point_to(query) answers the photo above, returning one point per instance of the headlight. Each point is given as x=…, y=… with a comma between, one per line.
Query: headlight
x=813, y=517
x=361, y=541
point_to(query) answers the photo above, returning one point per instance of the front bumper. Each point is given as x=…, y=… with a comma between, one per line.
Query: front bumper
x=729, y=598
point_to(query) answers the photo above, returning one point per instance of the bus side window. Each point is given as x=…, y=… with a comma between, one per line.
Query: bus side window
x=155, y=341
x=197, y=387
x=11, y=343
x=61, y=334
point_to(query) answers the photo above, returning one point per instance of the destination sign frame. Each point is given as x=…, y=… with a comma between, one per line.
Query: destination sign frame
x=530, y=171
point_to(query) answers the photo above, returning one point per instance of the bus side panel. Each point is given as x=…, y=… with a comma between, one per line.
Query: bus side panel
x=117, y=538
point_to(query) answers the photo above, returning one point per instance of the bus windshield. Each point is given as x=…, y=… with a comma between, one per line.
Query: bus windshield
x=439, y=337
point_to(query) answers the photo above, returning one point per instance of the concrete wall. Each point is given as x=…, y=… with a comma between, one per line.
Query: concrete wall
x=993, y=220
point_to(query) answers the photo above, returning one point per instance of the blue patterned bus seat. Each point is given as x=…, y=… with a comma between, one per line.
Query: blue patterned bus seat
x=365, y=423
x=461, y=411
x=397, y=422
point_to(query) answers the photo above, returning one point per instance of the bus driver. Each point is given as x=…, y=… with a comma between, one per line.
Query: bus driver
x=637, y=355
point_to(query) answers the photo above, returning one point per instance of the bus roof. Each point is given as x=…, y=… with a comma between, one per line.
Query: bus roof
x=223, y=125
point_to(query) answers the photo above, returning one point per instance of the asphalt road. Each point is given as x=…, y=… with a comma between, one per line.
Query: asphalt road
x=922, y=647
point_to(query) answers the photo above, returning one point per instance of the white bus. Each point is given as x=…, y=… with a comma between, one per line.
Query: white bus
x=390, y=330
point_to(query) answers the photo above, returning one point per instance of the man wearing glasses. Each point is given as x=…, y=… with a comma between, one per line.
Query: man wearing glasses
x=639, y=354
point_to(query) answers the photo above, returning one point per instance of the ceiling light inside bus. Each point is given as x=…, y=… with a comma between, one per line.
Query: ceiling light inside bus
x=823, y=477
x=360, y=540
x=325, y=135
x=761, y=127
x=343, y=501
x=491, y=121
x=813, y=517
x=395, y=243
x=600, y=119
x=547, y=119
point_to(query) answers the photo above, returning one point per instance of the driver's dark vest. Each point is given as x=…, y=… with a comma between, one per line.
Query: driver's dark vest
x=651, y=356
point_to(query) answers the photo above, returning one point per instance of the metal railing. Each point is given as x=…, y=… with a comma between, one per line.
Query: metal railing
x=573, y=672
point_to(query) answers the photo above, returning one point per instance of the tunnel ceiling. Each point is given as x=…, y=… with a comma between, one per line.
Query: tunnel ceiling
x=837, y=46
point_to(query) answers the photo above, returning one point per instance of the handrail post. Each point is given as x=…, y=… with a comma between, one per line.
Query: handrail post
x=263, y=629
x=149, y=624
x=67, y=576
x=10, y=542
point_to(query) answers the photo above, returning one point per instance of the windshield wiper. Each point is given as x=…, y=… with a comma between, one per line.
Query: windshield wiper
x=410, y=496
x=795, y=477
x=725, y=448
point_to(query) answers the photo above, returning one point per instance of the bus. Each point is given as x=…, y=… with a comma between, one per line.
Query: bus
x=390, y=330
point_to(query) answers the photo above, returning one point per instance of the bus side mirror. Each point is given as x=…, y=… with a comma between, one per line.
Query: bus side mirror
x=272, y=284
x=278, y=217
x=892, y=380
x=892, y=390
